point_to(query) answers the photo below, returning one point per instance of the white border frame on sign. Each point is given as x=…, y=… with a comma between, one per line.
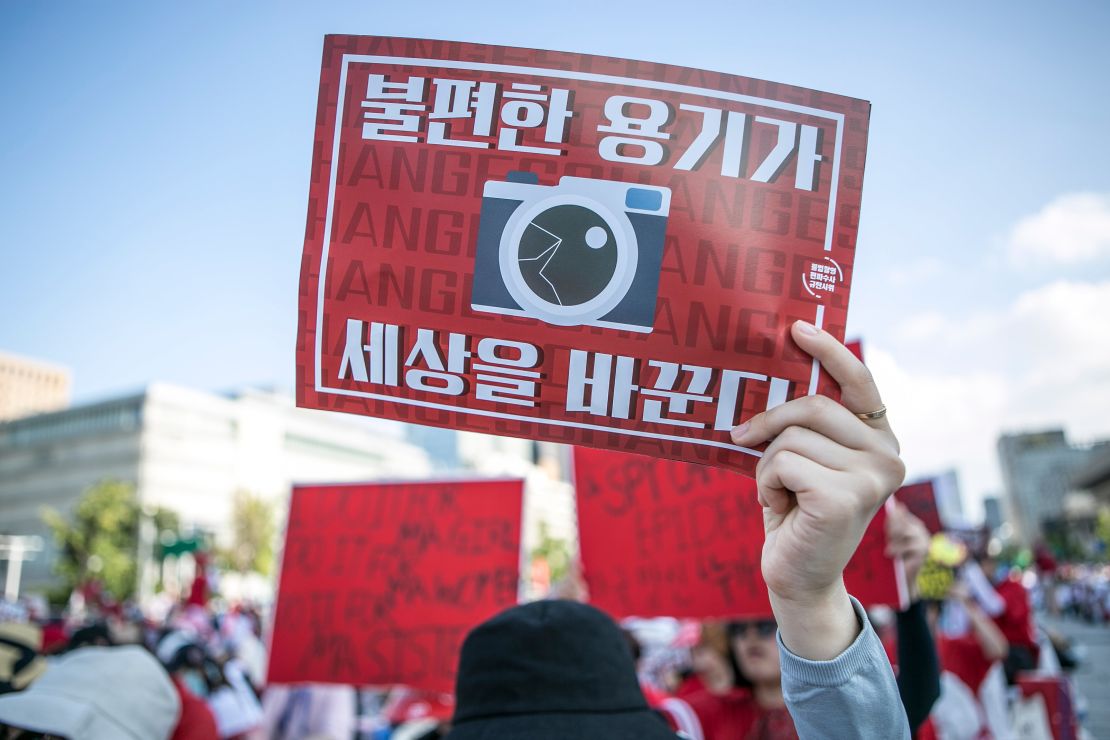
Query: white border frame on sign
x=838, y=118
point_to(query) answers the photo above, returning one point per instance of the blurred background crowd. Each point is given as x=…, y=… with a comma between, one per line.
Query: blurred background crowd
x=105, y=557
x=151, y=226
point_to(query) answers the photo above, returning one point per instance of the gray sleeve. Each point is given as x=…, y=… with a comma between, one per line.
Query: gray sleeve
x=852, y=695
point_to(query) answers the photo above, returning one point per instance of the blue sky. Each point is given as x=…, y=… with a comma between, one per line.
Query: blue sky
x=155, y=159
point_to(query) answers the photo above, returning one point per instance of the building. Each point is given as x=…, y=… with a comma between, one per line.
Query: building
x=31, y=387
x=1037, y=471
x=1094, y=478
x=189, y=451
x=992, y=513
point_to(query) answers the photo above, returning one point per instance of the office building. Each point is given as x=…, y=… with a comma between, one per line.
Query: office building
x=31, y=387
x=992, y=513
x=188, y=451
x=1038, y=470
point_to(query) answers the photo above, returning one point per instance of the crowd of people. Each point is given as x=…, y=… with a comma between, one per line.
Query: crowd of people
x=965, y=659
x=957, y=660
x=961, y=659
x=1078, y=591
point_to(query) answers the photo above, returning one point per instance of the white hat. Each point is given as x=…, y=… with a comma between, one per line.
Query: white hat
x=98, y=693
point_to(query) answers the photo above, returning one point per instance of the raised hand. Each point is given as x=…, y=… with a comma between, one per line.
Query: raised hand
x=823, y=476
x=907, y=540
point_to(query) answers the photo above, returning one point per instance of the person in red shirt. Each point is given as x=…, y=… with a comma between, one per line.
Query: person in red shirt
x=711, y=667
x=1015, y=621
x=196, y=721
x=972, y=705
x=754, y=708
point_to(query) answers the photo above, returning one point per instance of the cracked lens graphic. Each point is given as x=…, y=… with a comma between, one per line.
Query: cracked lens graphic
x=567, y=255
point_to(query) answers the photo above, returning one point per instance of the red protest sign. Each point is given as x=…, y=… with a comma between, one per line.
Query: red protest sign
x=571, y=248
x=664, y=538
x=921, y=499
x=381, y=582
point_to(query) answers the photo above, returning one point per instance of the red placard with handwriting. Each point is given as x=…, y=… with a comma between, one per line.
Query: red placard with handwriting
x=381, y=582
x=664, y=538
x=571, y=248
x=921, y=499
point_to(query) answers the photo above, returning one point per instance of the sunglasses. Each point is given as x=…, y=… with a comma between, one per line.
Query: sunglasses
x=764, y=628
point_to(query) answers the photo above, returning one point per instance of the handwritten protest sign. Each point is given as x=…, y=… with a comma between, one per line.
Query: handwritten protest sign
x=921, y=499
x=571, y=248
x=664, y=538
x=381, y=582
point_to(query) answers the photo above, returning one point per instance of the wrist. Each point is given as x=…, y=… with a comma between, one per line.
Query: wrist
x=810, y=599
x=817, y=625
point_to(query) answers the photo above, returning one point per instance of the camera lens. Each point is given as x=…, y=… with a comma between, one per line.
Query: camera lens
x=567, y=255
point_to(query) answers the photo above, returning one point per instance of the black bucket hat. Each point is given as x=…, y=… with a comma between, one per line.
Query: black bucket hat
x=551, y=670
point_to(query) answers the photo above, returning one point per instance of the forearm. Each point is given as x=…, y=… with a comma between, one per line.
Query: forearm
x=852, y=695
x=994, y=643
x=821, y=626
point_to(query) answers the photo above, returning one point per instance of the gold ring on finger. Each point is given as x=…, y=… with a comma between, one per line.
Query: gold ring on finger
x=872, y=415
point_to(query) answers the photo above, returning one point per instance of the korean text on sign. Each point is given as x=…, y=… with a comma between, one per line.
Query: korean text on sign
x=571, y=248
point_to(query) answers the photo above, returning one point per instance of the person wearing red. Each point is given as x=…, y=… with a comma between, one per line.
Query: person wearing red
x=972, y=705
x=196, y=721
x=556, y=669
x=711, y=668
x=1015, y=621
x=198, y=591
x=754, y=708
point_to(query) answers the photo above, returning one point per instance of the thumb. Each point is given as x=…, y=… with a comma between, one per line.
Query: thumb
x=771, y=520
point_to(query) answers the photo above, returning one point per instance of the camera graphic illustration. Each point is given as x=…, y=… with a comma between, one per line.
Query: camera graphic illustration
x=583, y=252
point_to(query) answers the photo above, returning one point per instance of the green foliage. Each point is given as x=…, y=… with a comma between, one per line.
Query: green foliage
x=166, y=520
x=253, y=531
x=1102, y=530
x=1014, y=554
x=100, y=540
x=1064, y=544
x=555, y=551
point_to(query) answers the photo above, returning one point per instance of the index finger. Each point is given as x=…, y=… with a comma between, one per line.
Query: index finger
x=817, y=413
x=858, y=392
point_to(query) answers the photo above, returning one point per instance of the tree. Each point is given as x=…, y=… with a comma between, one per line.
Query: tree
x=555, y=551
x=253, y=530
x=1102, y=532
x=100, y=540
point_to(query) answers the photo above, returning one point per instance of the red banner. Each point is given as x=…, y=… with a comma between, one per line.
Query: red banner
x=921, y=499
x=381, y=582
x=664, y=538
x=571, y=248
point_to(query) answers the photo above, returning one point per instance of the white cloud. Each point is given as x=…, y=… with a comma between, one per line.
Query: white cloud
x=1041, y=362
x=1073, y=228
x=944, y=421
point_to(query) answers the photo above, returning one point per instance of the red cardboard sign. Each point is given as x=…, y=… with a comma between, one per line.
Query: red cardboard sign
x=664, y=538
x=571, y=248
x=921, y=499
x=381, y=582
